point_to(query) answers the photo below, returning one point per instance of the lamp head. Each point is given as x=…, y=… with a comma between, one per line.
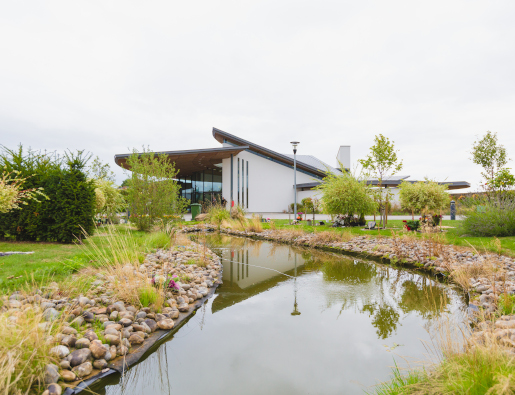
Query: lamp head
x=294, y=143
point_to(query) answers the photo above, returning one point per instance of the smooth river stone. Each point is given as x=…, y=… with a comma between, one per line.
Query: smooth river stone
x=136, y=339
x=165, y=324
x=83, y=369
x=100, y=364
x=151, y=324
x=69, y=341
x=54, y=389
x=184, y=307
x=68, y=375
x=125, y=322
x=114, y=326
x=112, y=339
x=82, y=343
x=51, y=374
x=97, y=349
x=112, y=331
x=60, y=351
x=68, y=330
x=78, y=357
x=90, y=335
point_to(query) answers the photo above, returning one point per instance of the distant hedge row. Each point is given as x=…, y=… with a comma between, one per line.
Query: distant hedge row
x=71, y=203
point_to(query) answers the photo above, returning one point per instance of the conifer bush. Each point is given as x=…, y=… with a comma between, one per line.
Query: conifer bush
x=71, y=197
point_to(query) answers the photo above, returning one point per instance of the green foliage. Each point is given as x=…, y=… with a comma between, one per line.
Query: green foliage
x=154, y=192
x=489, y=154
x=217, y=214
x=147, y=296
x=157, y=240
x=71, y=197
x=12, y=194
x=400, y=383
x=506, y=304
x=346, y=194
x=100, y=171
x=382, y=162
x=112, y=198
x=487, y=216
x=424, y=196
x=502, y=181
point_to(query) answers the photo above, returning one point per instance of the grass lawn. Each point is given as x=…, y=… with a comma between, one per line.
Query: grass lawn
x=54, y=261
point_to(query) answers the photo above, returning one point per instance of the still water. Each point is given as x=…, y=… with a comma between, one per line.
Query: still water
x=290, y=320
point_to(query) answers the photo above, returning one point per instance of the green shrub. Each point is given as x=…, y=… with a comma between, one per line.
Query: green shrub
x=489, y=216
x=71, y=203
x=156, y=240
x=147, y=296
x=217, y=214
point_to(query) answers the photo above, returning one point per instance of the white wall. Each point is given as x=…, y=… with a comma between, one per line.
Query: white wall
x=270, y=183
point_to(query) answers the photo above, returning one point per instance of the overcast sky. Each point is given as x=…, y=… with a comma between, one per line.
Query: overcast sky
x=106, y=76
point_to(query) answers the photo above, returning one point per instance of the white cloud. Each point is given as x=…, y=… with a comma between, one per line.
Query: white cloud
x=108, y=76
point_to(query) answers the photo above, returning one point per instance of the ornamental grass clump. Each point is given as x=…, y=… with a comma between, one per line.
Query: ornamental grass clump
x=217, y=214
x=488, y=216
x=24, y=351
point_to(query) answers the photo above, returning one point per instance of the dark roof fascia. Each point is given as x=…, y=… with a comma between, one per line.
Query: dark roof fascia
x=187, y=152
x=394, y=183
x=251, y=146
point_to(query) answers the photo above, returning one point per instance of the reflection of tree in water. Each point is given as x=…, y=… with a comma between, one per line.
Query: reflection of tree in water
x=334, y=268
x=378, y=290
x=384, y=318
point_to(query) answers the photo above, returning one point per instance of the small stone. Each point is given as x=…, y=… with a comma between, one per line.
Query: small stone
x=141, y=314
x=112, y=350
x=69, y=341
x=82, y=343
x=68, y=330
x=78, y=321
x=105, y=324
x=68, y=375
x=90, y=335
x=113, y=316
x=125, y=322
x=151, y=324
x=136, y=339
x=111, y=331
x=114, y=326
x=51, y=374
x=83, y=301
x=97, y=349
x=54, y=389
x=60, y=351
x=174, y=314
x=51, y=314
x=184, y=307
x=65, y=364
x=108, y=356
x=88, y=316
x=100, y=364
x=122, y=350
x=505, y=324
x=112, y=339
x=83, y=369
x=165, y=324
x=78, y=357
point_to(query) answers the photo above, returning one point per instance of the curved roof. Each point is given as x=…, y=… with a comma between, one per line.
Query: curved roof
x=224, y=137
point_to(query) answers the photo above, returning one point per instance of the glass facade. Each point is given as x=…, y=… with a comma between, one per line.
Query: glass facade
x=202, y=187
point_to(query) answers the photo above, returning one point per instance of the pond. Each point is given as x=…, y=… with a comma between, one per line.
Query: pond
x=290, y=320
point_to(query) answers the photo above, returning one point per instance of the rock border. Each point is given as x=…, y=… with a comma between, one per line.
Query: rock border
x=120, y=364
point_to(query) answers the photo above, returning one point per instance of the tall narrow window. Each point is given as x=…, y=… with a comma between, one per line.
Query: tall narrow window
x=238, y=181
x=247, y=184
x=243, y=183
x=232, y=179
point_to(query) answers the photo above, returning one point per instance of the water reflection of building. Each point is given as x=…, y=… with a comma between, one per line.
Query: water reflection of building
x=252, y=268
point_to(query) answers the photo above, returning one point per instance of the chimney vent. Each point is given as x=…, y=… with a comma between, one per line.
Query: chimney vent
x=343, y=157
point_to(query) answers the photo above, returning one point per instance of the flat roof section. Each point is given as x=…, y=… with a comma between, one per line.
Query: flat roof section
x=190, y=161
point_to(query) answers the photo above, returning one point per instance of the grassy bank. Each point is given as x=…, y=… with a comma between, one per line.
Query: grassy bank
x=56, y=262
x=452, y=235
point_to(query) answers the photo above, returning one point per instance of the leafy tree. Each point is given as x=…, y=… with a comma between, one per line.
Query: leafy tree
x=154, y=192
x=101, y=171
x=382, y=162
x=502, y=181
x=346, y=194
x=126, y=182
x=428, y=196
x=489, y=154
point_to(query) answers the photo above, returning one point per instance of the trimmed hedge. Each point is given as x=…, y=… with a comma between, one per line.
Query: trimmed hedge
x=71, y=203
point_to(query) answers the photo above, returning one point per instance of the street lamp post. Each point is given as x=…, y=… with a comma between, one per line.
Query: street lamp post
x=295, y=143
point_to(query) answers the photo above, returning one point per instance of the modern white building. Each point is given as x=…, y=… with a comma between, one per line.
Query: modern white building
x=255, y=177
